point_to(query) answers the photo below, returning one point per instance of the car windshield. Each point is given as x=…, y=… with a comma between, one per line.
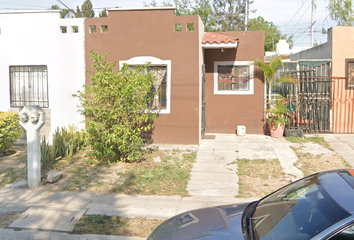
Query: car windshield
x=298, y=211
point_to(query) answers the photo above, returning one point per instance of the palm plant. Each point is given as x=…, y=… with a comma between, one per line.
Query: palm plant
x=269, y=70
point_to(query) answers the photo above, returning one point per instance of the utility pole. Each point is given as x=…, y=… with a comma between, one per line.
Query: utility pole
x=246, y=15
x=312, y=21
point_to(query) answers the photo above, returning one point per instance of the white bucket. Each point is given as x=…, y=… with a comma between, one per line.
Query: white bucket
x=241, y=130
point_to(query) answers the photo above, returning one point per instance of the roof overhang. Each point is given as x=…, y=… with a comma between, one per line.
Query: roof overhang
x=212, y=40
x=219, y=45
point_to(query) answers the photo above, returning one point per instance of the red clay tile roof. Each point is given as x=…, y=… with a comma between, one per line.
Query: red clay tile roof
x=210, y=37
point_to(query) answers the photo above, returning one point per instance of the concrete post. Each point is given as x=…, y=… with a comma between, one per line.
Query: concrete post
x=32, y=118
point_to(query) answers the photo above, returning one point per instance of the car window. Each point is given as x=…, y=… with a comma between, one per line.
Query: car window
x=346, y=234
x=299, y=211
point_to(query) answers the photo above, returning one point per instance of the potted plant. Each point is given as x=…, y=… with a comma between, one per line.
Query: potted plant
x=277, y=120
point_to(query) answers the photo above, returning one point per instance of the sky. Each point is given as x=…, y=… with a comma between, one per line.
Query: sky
x=291, y=16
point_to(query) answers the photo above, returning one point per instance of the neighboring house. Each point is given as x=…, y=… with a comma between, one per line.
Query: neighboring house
x=338, y=51
x=208, y=82
x=42, y=63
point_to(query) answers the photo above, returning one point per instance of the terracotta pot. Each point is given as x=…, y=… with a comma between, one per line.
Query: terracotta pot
x=277, y=131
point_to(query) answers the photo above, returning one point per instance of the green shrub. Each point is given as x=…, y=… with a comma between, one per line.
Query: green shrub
x=47, y=154
x=10, y=130
x=66, y=142
x=114, y=105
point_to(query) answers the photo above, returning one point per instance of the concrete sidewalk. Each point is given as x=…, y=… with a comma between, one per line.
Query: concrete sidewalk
x=10, y=234
x=60, y=211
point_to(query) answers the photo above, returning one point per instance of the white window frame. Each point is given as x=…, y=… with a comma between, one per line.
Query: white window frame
x=234, y=92
x=142, y=60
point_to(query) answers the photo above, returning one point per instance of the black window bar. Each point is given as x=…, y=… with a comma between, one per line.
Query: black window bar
x=29, y=86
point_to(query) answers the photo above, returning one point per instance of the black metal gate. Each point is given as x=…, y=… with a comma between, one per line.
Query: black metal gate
x=203, y=102
x=310, y=99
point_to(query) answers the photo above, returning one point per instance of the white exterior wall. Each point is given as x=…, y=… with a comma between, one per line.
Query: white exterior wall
x=35, y=38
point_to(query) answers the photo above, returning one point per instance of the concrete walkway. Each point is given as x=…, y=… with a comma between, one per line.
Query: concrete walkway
x=214, y=173
x=343, y=144
x=265, y=147
x=215, y=170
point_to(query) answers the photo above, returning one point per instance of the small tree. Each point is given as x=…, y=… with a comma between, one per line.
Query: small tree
x=269, y=70
x=114, y=104
x=87, y=9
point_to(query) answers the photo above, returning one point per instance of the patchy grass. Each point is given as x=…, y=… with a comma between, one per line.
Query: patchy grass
x=315, y=139
x=7, y=176
x=168, y=177
x=102, y=224
x=312, y=159
x=310, y=164
x=7, y=218
x=13, y=166
x=258, y=178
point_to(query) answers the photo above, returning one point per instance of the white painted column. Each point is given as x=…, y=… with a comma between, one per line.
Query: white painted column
x=32, y=118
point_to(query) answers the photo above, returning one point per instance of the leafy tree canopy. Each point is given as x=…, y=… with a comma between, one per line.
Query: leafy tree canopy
x=103, y=13
x=342, y=12
x=85, y=11
x=272, y=34
x=230, y=14
x=202, y=8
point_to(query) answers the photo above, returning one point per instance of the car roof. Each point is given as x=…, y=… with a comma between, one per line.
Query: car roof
x=339, y=184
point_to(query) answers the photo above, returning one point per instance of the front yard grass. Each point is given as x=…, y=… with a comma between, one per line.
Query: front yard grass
x=258, y=178
x=13, y=167
x=166, y=177
x=102, y=224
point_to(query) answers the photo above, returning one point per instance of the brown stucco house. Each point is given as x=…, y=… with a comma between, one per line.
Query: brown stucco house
x=208, y=82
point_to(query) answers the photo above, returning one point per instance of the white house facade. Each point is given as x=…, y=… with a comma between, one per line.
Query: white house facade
x=42, y=63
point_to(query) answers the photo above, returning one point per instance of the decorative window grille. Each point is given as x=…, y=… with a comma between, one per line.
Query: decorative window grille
x=29, y=86
x=234, y=78
x=159, y=88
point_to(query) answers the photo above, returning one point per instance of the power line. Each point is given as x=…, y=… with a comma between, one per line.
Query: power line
x=302, y=16
x=21, y=4
x=295, y=13
x=59, y=1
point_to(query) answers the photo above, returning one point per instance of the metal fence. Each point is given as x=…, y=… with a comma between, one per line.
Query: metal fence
x=342, y=107
x=309, y=101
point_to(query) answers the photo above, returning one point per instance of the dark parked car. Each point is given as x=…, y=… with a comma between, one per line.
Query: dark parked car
x=319, y=206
